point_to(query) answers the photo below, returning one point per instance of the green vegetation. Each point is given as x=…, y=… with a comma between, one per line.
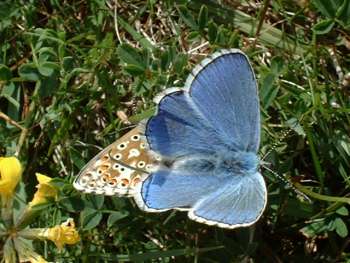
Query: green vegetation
x=68, y=67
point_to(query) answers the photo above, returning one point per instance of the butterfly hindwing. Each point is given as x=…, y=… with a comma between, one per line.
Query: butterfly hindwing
x=237, y=203
x=118, y=169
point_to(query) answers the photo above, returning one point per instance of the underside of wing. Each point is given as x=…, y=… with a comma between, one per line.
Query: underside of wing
x=118, y=169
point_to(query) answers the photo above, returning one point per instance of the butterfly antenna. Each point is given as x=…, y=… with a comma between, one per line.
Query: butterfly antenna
x=284, y=135
x=289, y=184
x=275, y=144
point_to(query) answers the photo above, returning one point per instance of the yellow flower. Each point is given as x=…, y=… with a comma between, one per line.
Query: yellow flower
x=45, y=190
x=10, y=174
x=62, y=234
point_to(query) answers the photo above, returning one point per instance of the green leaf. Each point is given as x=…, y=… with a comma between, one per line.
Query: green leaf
x=203, y=18
x=327, y=7
x=68, y=63
x=47, y=68
x=340, y=227
x=134, y=70
x=315, y=228
x=72, y=204
x=8, y=92
x=187, y=17
x=277, y=65
x=29, y=72
x=115, y=216
x=323, y=27
x=342, y=211
x=268, y=90
x=95, y=201
x=90, y=218
x=212, y=32
x=5, y=73
x=76, y=158
x=180, y=63
x=165, y=60
x=131, y=56
x=144, y=42
x=343, y=13
x=48, y=85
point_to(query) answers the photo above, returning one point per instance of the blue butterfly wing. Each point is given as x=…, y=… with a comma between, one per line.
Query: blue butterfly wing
x=220, y=108
x=168, y=189
x=237, y=203
x=179, y=129
x=225, y=92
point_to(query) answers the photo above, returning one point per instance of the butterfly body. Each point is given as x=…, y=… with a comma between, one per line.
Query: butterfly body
x=234, y=163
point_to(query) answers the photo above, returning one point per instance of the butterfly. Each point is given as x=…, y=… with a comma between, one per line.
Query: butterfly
x=205, y=138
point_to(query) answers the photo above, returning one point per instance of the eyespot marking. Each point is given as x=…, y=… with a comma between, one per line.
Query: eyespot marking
x=124, y=183
x=118, y=156
x=141, y=164
x=135, y=138
x=122, y=145
x=136, y=181
x=92, y=184
x=105, y=158
x=113, y=182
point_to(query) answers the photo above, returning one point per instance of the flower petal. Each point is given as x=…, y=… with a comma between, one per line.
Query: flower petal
x=10, y=175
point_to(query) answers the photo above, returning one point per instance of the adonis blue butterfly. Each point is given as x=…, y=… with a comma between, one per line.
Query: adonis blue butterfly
x=201, y=154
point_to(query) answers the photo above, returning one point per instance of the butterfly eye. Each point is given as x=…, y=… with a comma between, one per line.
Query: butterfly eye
x=118, y=156
x=115, y=166
x=141, y=164
x=122, y=169
x=121, y=146
x=135, y=138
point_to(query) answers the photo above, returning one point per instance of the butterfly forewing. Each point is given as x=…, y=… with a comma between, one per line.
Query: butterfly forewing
x=118, y=169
